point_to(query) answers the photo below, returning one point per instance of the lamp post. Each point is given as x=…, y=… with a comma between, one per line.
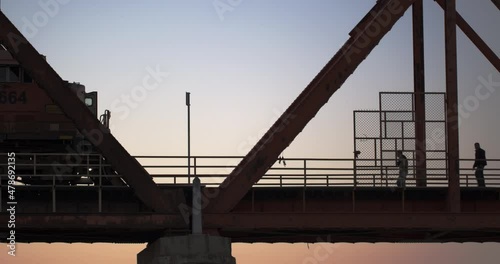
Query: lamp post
x=188, y=104
x=196, y=211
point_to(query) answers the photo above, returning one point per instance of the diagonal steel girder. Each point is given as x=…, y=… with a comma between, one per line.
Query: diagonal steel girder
x=47, y=79
x=261, y=227
x=497, y=3
x=365, y=36
x=475, y=38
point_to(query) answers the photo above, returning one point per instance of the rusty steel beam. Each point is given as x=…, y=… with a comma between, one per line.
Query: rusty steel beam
x=452, y=106
x=475, y=38
x=47, y=79
x=136, y=221
x=321, y=221
x=254, y=165
x=419, y=90
x=358, y=236
x=264, y=221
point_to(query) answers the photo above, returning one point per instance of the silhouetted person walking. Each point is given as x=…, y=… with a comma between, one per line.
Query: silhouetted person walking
x=402, y=162
x=479, y=164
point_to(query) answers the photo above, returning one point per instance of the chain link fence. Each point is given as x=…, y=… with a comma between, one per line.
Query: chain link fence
x=378, y=134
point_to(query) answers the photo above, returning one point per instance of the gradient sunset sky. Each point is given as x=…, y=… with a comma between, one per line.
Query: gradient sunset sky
x=244, y=68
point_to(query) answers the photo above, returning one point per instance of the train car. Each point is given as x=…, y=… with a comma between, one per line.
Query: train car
x=33, y=126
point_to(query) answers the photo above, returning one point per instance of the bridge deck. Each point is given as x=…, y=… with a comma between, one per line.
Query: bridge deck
x=292, y=214
x=88, y=199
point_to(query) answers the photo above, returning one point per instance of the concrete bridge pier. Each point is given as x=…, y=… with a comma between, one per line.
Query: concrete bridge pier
x=190, y=249
x=196, y=248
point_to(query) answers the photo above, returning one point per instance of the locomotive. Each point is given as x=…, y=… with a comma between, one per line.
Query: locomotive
x=45, y=141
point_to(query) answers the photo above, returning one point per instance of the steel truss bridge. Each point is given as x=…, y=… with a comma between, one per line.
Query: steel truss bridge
x=257, y=199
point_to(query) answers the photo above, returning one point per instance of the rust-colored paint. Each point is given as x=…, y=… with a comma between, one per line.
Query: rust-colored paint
x=363, y=40
x=265, y=227
x=47, y=79
x=475, y=38
x=419, y=89
x=452, y=106
x=368, y=221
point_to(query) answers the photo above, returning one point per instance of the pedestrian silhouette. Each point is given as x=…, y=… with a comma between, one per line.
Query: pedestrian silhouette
x=402, y=163
x=479, y=164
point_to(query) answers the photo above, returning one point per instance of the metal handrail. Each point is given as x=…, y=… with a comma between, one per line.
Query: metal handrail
x=330, y=170
x=299, y=172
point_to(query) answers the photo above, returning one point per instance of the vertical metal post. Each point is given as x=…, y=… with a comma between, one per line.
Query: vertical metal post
x=197, y=220
x=445, y=124
x=305, y=173
x=419, y=93
x=403, y=136
x=304, y=189
x=354, y=161
x=452, y=100
x=386, y=177
x=188, y=104
x=196, y=225
x=385, y=124
x=195, y=173
x=382, y=132
x=396, y=148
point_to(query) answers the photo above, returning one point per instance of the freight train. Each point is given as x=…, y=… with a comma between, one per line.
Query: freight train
x=49, y=149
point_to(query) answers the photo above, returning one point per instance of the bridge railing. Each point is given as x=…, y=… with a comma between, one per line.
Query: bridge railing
x=43, y=169
x=297, y=172
x=55, y=174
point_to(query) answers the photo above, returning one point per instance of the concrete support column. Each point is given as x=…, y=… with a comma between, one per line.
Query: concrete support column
x=191, y=249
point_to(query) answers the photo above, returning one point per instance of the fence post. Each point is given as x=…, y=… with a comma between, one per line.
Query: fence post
x=305, y=173
x=194, y=164
x=386, y=177
x=355, y=176
x=305, y=184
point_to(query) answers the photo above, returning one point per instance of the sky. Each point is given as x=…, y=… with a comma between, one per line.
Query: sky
x=243, y=67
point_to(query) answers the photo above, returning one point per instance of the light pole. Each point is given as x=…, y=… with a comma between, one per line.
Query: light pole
x=196, y=211
x=188, y=104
